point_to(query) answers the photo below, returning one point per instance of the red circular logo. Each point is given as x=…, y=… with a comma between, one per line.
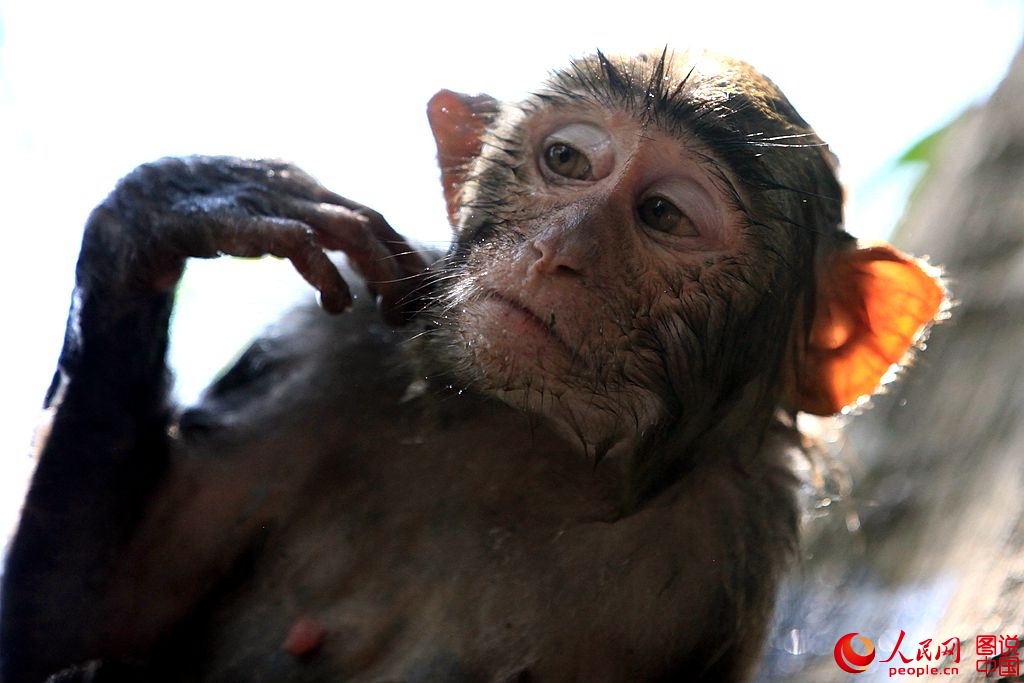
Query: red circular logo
x=850, y=661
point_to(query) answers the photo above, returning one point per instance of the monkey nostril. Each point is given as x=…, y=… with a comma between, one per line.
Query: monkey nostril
x=555, y=263
x=563, y=269
x=555, y=258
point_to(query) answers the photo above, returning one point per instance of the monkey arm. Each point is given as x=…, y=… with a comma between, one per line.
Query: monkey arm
x=107, y=446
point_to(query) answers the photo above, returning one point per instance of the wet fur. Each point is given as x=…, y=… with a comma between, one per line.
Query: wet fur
x=369, y=477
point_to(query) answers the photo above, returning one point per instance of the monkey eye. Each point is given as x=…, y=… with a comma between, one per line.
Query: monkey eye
x=567, y=162
x=579, y=151
x=662, y=215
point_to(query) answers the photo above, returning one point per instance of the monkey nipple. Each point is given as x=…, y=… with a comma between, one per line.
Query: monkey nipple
x=304, y=638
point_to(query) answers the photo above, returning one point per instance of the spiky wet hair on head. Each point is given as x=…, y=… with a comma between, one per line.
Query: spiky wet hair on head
x=787, y=173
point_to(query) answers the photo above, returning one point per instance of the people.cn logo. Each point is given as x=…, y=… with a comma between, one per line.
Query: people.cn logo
x=850, y=661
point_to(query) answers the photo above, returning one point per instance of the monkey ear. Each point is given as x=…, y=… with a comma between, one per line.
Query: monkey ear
x=873, y=305
x=458, y=122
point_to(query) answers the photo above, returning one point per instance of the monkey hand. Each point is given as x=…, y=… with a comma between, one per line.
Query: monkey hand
x=202, y=207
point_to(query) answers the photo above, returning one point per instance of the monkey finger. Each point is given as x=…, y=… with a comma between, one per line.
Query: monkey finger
x=301, y=186
x=409, y=260
x=398, y=296
x=390, y=266
x=294, y=240
x=341, y=229
x=344, y=230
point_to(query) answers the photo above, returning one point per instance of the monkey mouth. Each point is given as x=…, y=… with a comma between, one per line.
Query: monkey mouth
x=522, y=317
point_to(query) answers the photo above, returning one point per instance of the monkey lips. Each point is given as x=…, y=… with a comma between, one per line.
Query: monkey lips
x=519, y=321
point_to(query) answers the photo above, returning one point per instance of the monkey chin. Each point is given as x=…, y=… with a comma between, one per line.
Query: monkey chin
x=514, y=356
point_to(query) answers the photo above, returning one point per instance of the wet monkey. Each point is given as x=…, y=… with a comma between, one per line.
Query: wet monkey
x=560, y=453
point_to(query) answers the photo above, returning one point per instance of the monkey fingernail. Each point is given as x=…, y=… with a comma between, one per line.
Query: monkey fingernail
x=334, y=301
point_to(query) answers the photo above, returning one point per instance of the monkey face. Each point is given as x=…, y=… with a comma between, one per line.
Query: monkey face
x=583, y=296
x=636, y=246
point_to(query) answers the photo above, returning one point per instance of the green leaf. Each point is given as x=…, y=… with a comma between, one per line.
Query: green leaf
x=925, y=150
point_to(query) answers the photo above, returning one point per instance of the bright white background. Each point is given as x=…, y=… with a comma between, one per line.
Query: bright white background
x=90, y=89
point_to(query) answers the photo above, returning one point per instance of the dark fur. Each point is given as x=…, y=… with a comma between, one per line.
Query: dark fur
x=438, y=534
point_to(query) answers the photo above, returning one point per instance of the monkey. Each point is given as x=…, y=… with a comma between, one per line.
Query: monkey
x=561, y=450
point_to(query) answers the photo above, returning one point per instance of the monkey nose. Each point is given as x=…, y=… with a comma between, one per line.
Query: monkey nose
x=561, y=252
x=577, y=238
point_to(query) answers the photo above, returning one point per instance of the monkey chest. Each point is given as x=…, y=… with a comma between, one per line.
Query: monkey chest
x=411, y=550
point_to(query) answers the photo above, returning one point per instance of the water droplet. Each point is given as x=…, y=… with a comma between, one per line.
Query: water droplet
x=794, y=642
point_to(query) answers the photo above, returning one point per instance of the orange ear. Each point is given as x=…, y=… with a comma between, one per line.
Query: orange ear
x=873, y=305
x=458, y=122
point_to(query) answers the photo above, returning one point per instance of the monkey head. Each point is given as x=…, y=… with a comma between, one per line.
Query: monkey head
x=653, y=246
